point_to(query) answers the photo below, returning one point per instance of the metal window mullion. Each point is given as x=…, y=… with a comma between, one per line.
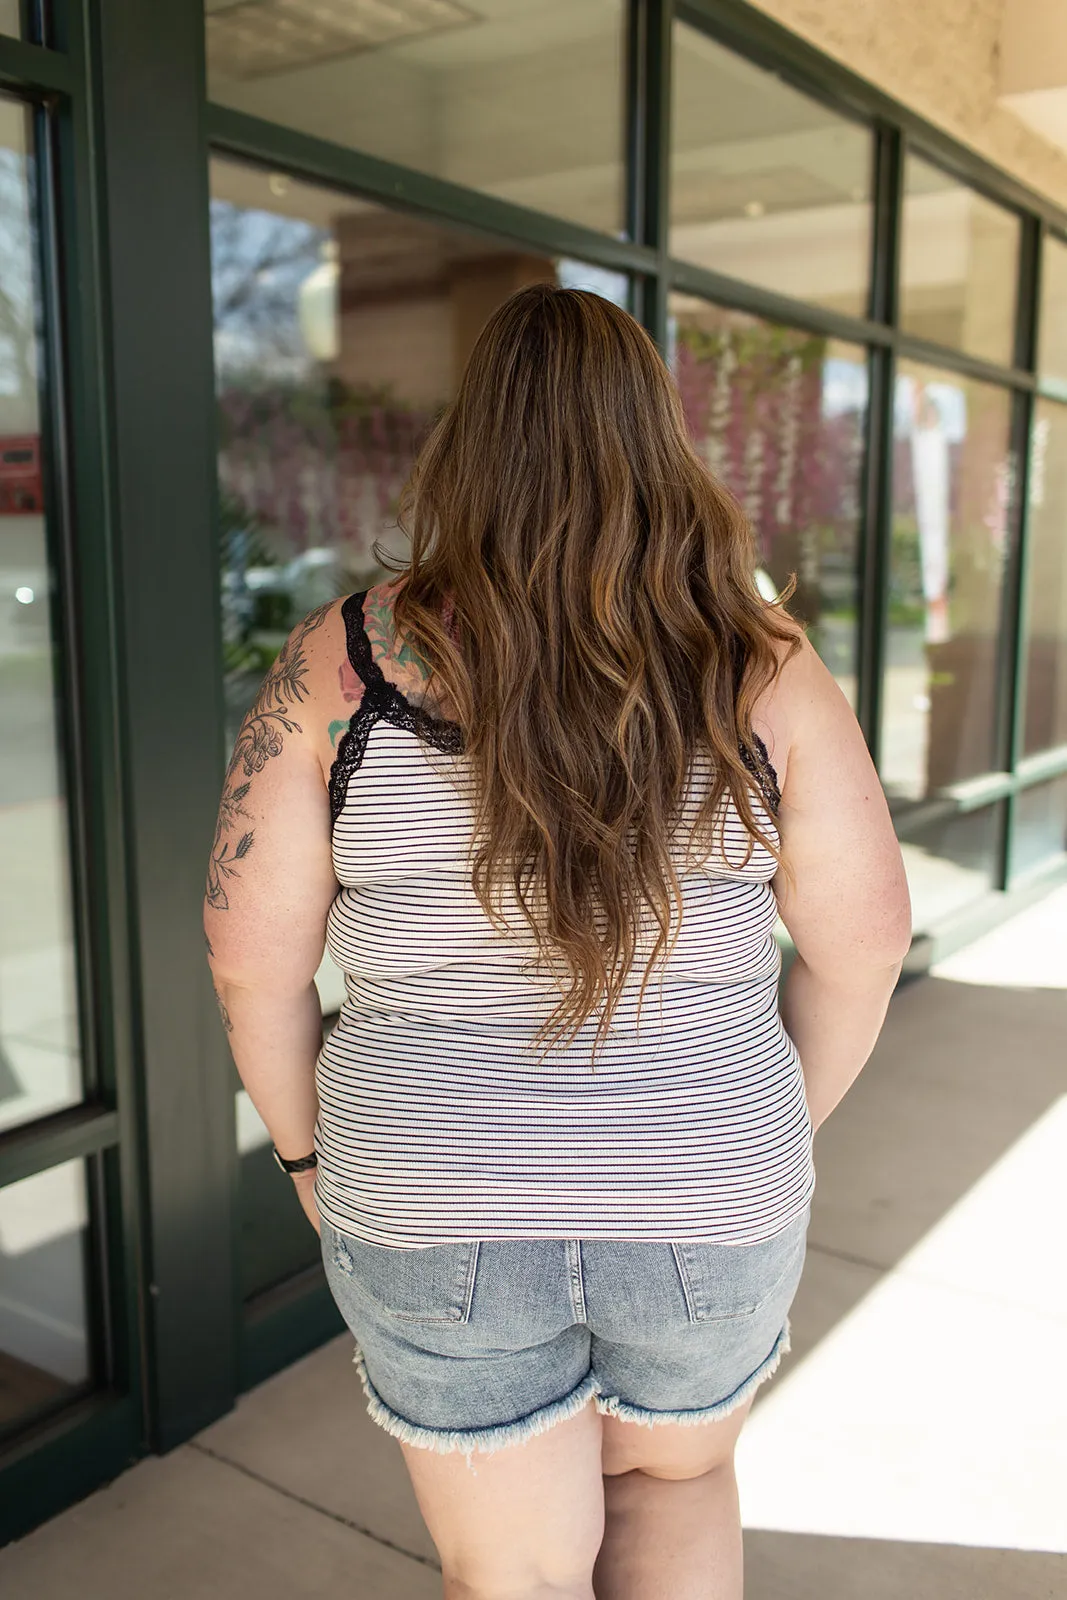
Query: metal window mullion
x=875, y=545
x=27, y=68
x=772, y=306
x=311, y=159
x=49, y=1142
x=651, y=37
x=1012, y=662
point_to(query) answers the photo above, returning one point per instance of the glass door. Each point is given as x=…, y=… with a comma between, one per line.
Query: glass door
x=341, y=330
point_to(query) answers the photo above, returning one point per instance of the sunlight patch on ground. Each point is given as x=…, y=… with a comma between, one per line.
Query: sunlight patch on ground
x=1027, y=952
x=936, y=1411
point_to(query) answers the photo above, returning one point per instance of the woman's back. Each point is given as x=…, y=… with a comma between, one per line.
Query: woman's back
x=439, y=1119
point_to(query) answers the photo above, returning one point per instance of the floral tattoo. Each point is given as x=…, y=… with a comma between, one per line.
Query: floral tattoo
x=261, y=738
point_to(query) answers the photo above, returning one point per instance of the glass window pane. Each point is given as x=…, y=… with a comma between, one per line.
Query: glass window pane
x=39, y=1053
x=1045, y=613
x=341, y=329
x=767, y=184
x=951, y=486
x=44, y=1339
x=778, y=415
x=1052, y=322
x=950, y=862
x=524, y=102
x=959, y=264
x=1039, y=835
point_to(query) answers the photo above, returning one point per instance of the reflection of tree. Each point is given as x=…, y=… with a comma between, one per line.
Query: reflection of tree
x=304, y=459
x=324, y=464
x=17, y=331
x=258, y=262
x=753, y=400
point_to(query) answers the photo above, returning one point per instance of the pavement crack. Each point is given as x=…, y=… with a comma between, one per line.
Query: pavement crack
x=850, y=1257
x=312, y=1505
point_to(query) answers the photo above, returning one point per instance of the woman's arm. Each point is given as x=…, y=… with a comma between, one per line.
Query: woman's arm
x=842, y=892
x=271, y=883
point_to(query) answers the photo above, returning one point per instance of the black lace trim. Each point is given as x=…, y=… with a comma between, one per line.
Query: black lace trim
x=383, y=701
x=763, y=771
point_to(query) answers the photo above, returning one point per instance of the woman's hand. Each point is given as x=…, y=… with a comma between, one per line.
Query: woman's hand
x=305, y=1190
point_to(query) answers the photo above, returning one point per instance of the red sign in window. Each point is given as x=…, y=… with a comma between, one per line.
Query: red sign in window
x=20, y=475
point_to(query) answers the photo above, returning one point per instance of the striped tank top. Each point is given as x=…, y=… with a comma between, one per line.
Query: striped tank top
x=438, y=1121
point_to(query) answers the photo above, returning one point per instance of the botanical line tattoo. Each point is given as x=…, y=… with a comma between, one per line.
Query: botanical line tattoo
x=227, y=1022
x=262, y=736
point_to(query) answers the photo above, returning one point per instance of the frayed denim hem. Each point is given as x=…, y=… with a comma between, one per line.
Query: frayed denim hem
x=468, y=1440
x=612, y=1406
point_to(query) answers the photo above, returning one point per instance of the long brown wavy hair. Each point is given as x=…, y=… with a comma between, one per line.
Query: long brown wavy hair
x=582, y=590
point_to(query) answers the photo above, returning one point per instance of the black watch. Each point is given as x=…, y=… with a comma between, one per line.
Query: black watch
x=301, y=1164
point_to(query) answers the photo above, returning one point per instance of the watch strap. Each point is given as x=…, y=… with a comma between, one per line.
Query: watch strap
x=301, y=1164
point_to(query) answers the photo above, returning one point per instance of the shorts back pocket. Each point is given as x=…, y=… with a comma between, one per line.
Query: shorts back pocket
x=433, y=1284
x=737, y=1280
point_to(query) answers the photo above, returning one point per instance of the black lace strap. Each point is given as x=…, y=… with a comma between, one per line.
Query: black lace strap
x=383, y=701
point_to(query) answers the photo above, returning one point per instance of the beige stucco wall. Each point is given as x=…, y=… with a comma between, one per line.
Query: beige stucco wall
x=940, y=57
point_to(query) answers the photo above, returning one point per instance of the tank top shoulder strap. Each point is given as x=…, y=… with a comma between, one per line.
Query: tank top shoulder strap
x=381, y=701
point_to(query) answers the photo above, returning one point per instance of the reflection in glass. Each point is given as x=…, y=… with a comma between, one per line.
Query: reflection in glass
x=524, y=102
x=778, y=415
x=1045, y=611
x=952, y=478
x=44, y=1340
x=1039, y=835
x=39, y=1057
x=341, y=331
x=950, y=862
x=767, y=184
x=1052, y=320
x=959, y=264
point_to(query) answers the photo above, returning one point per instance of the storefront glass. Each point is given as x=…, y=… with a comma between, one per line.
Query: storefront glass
x=524, y=102
x=951, y=861
x=1045, y=611
x=1052, y=321
x=44, y=1340
x=778, y=415
x=952, y=478
x=959, y=264
x=1040, y=827
x=40, y=1069
x=767, y=184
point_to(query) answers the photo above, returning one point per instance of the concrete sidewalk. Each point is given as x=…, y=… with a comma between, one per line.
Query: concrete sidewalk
x=913, y=1444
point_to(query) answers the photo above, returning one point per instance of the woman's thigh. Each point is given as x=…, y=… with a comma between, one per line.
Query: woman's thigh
x=670, y=1449
x=525, y=1516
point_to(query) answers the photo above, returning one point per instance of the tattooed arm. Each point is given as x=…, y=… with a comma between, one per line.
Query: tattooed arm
x=270, y=882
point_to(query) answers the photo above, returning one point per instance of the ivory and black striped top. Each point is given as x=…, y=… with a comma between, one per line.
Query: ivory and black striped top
x=437, y=1122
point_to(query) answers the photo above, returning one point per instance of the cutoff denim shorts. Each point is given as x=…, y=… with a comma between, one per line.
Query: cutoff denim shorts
x=481, y=1344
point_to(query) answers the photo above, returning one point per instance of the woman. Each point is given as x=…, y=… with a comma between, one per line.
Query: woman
x=545, y=794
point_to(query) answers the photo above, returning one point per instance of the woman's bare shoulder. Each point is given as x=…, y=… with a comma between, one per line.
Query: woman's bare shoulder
x=801, y=682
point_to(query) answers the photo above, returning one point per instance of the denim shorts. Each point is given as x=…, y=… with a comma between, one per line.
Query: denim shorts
x=480, y=1344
